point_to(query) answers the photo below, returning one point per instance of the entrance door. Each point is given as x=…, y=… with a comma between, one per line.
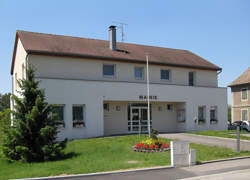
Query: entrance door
x=138, y=120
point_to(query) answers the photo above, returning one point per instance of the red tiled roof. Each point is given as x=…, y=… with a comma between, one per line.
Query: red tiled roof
x=48, y=44
x=244, y=78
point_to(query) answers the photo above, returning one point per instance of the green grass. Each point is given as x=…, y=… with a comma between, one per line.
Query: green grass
x=225, y=134
x=104, y=154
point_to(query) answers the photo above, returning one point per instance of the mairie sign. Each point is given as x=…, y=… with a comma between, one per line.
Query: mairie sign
x=146, y=97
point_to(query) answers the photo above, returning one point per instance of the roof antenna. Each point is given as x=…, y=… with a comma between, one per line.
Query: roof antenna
x=121, y=26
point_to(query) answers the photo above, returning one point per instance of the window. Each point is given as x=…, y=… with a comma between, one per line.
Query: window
x=23, y=69
x=139, y=73
x=244, y=115
x=78, y=115
x=191, y=78
x=170, y=107
x=109, y=70
x=106, y=107
x=16, y=82
x=213, y=115
x=181, y=115
x=244, y=94
x=165, y=74
x=58, y=111
x=201, y=114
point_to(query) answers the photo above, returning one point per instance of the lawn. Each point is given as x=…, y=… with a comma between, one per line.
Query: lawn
x=225, y=134
x=104, y=154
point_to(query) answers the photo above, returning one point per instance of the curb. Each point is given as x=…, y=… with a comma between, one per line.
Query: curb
x=99, y=173
x=216, y=137
x=222, y=160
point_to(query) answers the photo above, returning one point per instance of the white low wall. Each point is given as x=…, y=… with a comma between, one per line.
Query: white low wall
x=93, y=93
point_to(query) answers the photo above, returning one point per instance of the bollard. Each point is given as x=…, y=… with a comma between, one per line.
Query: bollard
x=238, y=138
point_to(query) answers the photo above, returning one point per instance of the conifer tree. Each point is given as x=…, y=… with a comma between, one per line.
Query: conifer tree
x=33, y=136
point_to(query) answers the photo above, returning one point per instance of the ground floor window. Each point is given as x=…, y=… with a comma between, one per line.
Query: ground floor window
x=58, y=111
x=78, y=112
x=213, y=115
x=244, y=116
x=201, y=114
x=181, y=115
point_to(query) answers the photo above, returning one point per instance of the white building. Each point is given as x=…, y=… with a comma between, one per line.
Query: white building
x=100, y=86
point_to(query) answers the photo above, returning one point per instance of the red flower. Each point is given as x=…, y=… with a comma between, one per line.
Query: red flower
x=162, y=146
x=167, y=146
x=151, y=146
x=156, y=146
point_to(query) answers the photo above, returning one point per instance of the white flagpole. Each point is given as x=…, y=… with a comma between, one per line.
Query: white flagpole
x=148, y=97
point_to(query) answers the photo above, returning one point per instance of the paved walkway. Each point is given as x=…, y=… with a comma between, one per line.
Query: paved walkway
x=208, y=140
x=218, y=170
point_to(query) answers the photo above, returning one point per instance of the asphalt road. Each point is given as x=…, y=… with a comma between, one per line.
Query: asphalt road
x=219, y=170
x=208, y=140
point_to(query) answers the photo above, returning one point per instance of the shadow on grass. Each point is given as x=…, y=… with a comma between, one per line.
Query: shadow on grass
x=63, y=157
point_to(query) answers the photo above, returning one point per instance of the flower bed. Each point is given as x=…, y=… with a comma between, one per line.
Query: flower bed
x=151, y=145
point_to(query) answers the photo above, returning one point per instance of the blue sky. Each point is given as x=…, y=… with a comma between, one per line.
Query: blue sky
x=217, y=30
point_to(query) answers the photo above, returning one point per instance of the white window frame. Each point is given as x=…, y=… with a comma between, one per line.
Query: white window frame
x=242, y=116
x=84, y=115
x=109, y=76
x=169, y=72
x=242, y=94
x=64, y=123
x=143, y=73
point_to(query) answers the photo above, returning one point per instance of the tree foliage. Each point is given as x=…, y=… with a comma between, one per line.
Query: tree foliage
x=4, y=101
x=33, y=136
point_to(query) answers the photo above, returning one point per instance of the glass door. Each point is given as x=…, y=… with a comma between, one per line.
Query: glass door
x=138, y=120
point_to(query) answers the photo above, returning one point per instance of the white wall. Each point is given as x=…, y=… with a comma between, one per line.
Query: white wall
x=93, y=93
x=19, y=61
x=78, y=68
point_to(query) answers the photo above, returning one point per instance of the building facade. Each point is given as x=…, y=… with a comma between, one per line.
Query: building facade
x=240, y=91
x=99, y=87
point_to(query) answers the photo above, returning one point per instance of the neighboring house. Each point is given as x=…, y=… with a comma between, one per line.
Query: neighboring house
x=240, y=89
x=100, y=86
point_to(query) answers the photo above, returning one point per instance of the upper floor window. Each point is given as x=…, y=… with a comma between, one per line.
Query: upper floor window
x=78, y=115
x=139, y=73
x=58, y=110
x=165, y=74
x=244, y=116
x=244, y=94
x=191, y=78
x=108, y=70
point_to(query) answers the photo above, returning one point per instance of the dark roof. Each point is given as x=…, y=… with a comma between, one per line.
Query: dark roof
x=242, y=79
x=48, y=44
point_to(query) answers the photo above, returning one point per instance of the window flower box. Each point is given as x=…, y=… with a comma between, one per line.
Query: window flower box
x=213, y=121
x=201, y=121
x=78, y=123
